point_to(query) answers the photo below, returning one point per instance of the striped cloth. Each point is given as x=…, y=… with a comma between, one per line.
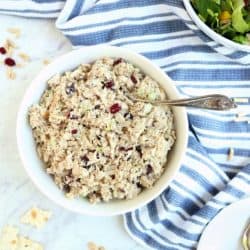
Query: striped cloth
x=162, y=31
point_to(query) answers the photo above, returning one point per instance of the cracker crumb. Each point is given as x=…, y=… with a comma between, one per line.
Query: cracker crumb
x=46, y=61
x=24, y=57
x=230, y=154
x=15, y=31
x=11, y=240
x=36, y=217
x=8, y=238
x=27, y=244
x=93, y=246
x=10, y=74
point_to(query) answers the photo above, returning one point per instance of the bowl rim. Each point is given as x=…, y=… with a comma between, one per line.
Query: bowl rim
x=24, y=160
x=211, y=33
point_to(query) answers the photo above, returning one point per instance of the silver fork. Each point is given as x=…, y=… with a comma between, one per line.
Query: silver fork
x=214, y=102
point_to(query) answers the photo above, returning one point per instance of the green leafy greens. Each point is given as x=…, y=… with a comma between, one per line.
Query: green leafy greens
x=230, y=18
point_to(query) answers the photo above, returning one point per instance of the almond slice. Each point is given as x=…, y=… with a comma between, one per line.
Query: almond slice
x=46, y=61
x=15, y=31
x=24, y=57
x=230, y=154
x=10, y=74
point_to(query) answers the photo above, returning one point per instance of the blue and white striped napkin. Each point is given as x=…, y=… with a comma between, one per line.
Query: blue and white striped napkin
x=162, y=31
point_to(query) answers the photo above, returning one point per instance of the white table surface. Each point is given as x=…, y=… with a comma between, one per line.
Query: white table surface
x=65, y=230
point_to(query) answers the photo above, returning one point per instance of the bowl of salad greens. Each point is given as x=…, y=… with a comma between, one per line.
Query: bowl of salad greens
x=225, y=21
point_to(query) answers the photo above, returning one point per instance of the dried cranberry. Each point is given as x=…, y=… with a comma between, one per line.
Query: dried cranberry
x=149, y=169
x=73, y=131
x=128, y=116
x=139, y=185
x=70, y=173
x=122, y=149
x=2, y=50
x=97, y=156
x=66, y=188
x=247, y=4
x=125, y=149
x=133, y=79
x=9, y=62
x=124, y=130
x=109, y=84
x=115, y=108
x=119, y=60
x=70, y=89
x=138, y=149
x=84, y=158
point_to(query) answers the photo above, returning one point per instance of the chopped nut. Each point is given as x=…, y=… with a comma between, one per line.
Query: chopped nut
x=36, y=217
x=24, y=57
x=46, y=61
x=10, y=74
x=230, y=154
x=15, y=31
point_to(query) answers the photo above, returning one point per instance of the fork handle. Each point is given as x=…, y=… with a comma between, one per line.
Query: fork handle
x=214, y=102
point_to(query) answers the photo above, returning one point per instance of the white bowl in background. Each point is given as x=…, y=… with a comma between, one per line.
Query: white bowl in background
x=27, y=147
x=211, y=33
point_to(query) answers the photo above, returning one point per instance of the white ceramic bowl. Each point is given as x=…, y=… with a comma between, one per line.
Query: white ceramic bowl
x=212, y=34
x=27, y=147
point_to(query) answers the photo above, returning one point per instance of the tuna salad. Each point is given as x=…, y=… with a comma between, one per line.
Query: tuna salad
x=95, y=141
